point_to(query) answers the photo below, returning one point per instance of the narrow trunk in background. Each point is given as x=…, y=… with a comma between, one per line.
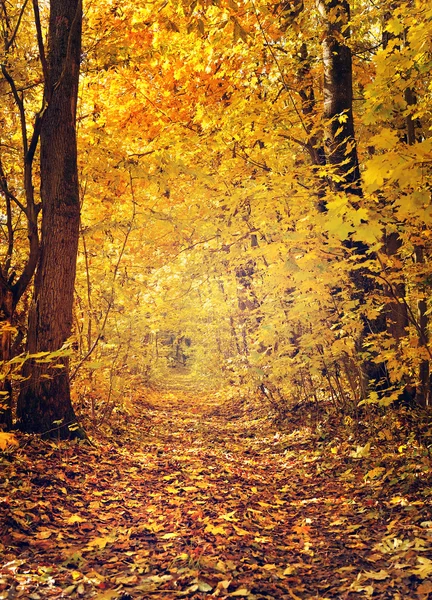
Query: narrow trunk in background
x=397, y=308
x=44, y=404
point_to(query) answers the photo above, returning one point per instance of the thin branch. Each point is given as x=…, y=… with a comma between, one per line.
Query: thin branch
x=141, y=154
x=305, y=145
x=276, y=61
x=20, y=104
x=240, y=152
x=41, y=46
x=192, y=246
x=35, y=138
x=10, y=230
x=111, y=300
x=7, y=192
x=9, y=43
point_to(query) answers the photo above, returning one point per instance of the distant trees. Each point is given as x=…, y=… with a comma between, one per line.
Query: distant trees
x=255, y=140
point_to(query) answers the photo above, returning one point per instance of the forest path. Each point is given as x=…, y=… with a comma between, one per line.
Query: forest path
x=203, y=500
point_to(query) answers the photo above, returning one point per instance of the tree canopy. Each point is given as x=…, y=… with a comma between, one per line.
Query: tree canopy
x=253, y=177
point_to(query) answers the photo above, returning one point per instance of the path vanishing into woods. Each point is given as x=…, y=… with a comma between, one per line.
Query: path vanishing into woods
x=193, y=498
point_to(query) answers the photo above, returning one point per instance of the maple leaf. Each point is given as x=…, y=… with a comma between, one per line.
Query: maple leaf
x=424, y=569
x=7, y=440
x=215, y=529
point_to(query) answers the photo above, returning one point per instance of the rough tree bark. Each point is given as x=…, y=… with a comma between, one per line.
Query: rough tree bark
x=342, y=157
x=44, y=404
x=341, y=149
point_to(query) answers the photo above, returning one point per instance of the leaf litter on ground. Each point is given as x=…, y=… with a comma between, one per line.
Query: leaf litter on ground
x=195, y=499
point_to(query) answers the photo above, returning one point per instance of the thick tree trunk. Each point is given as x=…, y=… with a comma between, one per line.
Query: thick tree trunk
x=44, y=405
x=342, y=158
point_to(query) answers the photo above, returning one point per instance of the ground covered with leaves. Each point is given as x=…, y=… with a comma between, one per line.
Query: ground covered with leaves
x=194, y=498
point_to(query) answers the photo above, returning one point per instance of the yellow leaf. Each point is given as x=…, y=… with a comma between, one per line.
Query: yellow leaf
x=240, y=531
x=7, y=439
x=229, y=516
x=377, y=575
x=215, y=530
x=395, y=26
x=44, y=534
x=75, y=519
x=241, y=592
x=361, y=451
x=424, y=569
x=203, y=485
x=153, y=526
x=182, y=556
x=385, y=139
x=224, y=585
x=99, y=542
x=375, y=473
x=107, y=595
x=168, y=536
x=289, y=570
x=127, y=579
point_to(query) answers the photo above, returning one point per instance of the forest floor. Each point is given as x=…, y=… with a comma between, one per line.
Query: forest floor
x=197, y=499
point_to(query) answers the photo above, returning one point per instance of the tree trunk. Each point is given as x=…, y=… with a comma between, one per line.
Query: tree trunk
x=6, y=323
x=396, y=312
x=424, y=388
x=44, y=404
x=341, y=147
x=341, y=156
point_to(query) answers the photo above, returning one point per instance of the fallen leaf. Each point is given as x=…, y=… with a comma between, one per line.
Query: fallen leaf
x=240, y=592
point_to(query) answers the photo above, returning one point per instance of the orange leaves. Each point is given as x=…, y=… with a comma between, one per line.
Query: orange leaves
x=216, y=529
x=200, y=505
x=8, y=441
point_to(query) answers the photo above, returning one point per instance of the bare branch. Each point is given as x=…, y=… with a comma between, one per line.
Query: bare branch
x=20, y=104
x=7, y=192
x=41, y=47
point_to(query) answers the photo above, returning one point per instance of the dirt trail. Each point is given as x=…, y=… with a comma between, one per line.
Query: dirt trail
x=204, y=501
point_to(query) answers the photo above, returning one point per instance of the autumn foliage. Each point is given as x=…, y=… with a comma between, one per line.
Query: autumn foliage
x=216, y=199
x=250, y=221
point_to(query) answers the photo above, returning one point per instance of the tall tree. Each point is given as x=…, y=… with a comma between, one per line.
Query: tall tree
x=44, y=403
